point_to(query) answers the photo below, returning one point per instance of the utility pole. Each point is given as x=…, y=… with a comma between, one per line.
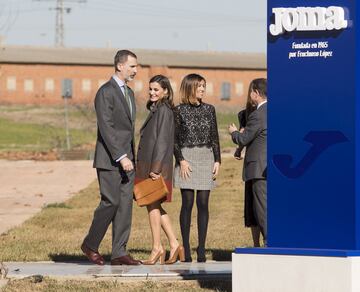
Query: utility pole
x=59, y=22
x=67, y=92
x=59, y=26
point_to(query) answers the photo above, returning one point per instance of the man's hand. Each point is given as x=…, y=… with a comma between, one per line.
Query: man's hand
x=185, y=169
x=232, y=128
x=154, y=176
x=127, y=164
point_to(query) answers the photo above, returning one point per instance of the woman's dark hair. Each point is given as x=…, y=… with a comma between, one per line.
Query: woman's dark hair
x=188, y=88
x=164, y=82
x=250, y=107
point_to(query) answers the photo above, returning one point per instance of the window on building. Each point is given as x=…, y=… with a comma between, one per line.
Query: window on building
x=11, y=83
x=49, y=84
x=86, y=85
x=239, y=88
x=209, y=88
x=138, y=86
x=28, y=85
x=225, y=91
x=67, y=88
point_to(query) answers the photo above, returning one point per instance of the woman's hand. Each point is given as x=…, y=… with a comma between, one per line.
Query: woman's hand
x=185, y=169
x=216, y=170
x=154, y=176
x=237, y=154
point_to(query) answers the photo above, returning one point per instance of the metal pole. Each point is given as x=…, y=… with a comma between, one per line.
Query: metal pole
x=67, y=124
x=59, y=19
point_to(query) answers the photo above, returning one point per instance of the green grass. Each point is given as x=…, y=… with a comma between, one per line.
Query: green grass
x=18, y=108
x=58, y=205
x=41, y=128
x=20, y=136
x=224, y=120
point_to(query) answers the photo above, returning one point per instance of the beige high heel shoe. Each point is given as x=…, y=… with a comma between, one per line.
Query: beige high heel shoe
x=159, y=256
x=179, y=253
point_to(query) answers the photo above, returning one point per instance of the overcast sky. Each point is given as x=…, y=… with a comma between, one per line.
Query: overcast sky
x=228, y=25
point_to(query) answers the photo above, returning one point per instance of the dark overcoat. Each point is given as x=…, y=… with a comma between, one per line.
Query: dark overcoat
x=156, y=146
x=254, y=138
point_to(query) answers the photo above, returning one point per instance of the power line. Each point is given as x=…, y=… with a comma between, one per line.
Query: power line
x=59, y=22
x=10, y=16
x=124, y=8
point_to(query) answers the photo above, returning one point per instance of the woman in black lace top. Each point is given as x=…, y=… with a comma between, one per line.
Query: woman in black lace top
x=196, y=126
x=197, y=154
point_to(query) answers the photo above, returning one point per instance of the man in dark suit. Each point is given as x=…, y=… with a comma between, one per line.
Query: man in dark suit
x=254, y=137
x=114, y=162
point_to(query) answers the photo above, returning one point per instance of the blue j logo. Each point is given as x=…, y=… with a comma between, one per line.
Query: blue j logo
x=320, y=140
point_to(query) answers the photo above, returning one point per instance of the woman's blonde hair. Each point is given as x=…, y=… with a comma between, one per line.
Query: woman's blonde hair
x=188, y=88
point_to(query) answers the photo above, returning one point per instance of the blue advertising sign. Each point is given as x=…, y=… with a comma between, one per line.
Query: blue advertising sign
x=313, y=126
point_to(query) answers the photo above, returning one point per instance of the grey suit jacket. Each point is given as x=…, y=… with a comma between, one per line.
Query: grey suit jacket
x=115, y=135
x=254, y=138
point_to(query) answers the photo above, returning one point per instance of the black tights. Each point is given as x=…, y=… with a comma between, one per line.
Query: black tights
x=202, y=203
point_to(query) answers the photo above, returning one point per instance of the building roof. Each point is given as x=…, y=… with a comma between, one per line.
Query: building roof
x=104, y=57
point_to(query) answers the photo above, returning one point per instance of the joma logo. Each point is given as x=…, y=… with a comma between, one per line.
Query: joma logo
x=320, y=140
x=308, y=19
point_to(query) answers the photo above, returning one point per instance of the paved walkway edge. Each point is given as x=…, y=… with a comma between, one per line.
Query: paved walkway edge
x=83, y=270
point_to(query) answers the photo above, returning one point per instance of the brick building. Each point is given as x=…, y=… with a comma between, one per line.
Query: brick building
x=34, y=75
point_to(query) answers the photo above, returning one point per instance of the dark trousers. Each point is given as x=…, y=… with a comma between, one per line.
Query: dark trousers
x=249, y=211
x=116, y=190
x=260, y=204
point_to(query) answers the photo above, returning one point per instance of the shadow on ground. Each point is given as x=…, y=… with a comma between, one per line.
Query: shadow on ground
x=221, y=255
x=75, y=258
x=216, y=285
x=217, y=255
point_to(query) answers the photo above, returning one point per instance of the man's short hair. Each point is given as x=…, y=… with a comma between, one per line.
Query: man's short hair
x=122, y=56
x=260, y=85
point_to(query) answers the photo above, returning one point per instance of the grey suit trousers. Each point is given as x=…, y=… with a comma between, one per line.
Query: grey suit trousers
x=260, y=204
x=116, y=190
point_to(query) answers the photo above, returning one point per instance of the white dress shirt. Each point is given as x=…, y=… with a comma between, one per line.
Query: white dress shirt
x=261, y=103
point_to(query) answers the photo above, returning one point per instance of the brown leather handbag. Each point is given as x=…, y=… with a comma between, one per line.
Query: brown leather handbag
x=149, y=191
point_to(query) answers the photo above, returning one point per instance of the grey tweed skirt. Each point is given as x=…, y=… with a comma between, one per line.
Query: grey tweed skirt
x=201, y=160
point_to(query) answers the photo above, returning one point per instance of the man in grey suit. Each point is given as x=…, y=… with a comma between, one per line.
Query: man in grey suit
x=114, y=162
x=254, y=137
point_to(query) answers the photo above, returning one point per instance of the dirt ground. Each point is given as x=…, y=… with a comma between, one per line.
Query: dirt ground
x=26, y=186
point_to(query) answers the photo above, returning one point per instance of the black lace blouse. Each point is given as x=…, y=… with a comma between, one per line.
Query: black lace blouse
x=195, y=125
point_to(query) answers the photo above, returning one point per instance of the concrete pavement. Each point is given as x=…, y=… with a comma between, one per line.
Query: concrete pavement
x=86, y=270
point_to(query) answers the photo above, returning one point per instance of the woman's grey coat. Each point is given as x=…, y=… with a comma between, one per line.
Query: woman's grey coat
x=156, y=146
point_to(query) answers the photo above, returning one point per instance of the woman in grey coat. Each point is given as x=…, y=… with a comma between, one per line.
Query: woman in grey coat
x=155, y=159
